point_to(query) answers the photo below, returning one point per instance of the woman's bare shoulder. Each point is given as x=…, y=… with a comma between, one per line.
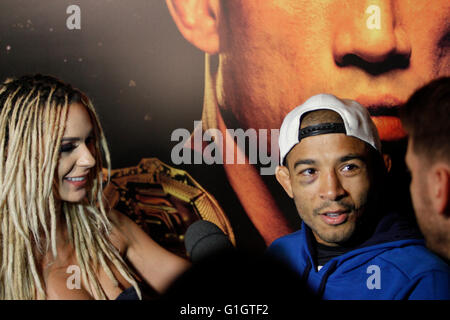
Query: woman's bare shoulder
x=119, y=235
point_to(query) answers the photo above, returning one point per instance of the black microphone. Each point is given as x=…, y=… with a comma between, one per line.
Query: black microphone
x=221, y=273
x=203, y=239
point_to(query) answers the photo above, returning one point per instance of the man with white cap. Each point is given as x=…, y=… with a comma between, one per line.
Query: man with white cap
x=349, y=246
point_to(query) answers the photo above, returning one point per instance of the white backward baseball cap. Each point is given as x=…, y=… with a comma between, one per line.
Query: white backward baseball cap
x=357, y=123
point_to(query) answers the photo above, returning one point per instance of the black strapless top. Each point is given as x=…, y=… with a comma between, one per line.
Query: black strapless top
x=148, y=293
x=128, y=294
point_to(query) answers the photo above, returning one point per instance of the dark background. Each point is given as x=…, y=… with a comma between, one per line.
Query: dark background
x=144, y=79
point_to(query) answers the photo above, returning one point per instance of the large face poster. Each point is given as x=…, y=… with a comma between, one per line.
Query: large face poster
x=204, y=86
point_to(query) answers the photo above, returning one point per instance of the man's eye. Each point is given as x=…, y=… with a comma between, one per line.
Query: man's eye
x=308, y=172
x=350, y=169
x=67, y=147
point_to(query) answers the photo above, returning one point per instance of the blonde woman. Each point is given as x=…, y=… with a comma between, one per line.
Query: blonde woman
x=53, y=221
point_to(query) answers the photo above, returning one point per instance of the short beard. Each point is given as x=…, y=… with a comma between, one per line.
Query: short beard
x=359, y=231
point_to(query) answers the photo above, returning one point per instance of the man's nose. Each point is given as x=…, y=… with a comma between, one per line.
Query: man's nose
x=86, y=158
x=330, y=187
x=370, y=37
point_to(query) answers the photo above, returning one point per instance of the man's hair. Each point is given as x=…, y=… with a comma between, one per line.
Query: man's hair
x=425, y=117
x=320, y=116
x=316, y=117
x=33, y=115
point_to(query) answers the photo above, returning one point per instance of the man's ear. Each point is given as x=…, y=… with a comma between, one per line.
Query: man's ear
x=387, y=161
x=197, y=21
x=283, y=177
x=439, y=187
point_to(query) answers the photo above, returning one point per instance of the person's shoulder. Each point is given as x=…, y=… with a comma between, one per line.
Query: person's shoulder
x=119, y=235
x=407, y=269
x=424, y=274
x=416, y=260
x=286, y=247
x=287, y=240
x=121, y=221
x=117, y=217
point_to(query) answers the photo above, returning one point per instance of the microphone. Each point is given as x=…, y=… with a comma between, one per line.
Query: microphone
x=203, y=239
x=221, y=273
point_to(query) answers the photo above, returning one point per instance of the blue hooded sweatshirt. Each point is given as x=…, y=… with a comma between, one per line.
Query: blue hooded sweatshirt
x=392, y=264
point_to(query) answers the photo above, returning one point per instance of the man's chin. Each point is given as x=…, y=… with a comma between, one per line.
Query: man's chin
x=335, y=236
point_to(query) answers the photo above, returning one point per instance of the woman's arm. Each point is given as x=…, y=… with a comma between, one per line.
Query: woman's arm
x=155, y=264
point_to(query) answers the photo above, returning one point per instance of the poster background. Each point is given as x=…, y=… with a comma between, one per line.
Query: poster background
x=144, y=78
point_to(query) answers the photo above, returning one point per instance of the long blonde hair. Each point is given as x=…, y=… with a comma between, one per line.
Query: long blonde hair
x=33, y=114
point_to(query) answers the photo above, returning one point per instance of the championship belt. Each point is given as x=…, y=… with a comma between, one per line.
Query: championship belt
x=163, y=201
